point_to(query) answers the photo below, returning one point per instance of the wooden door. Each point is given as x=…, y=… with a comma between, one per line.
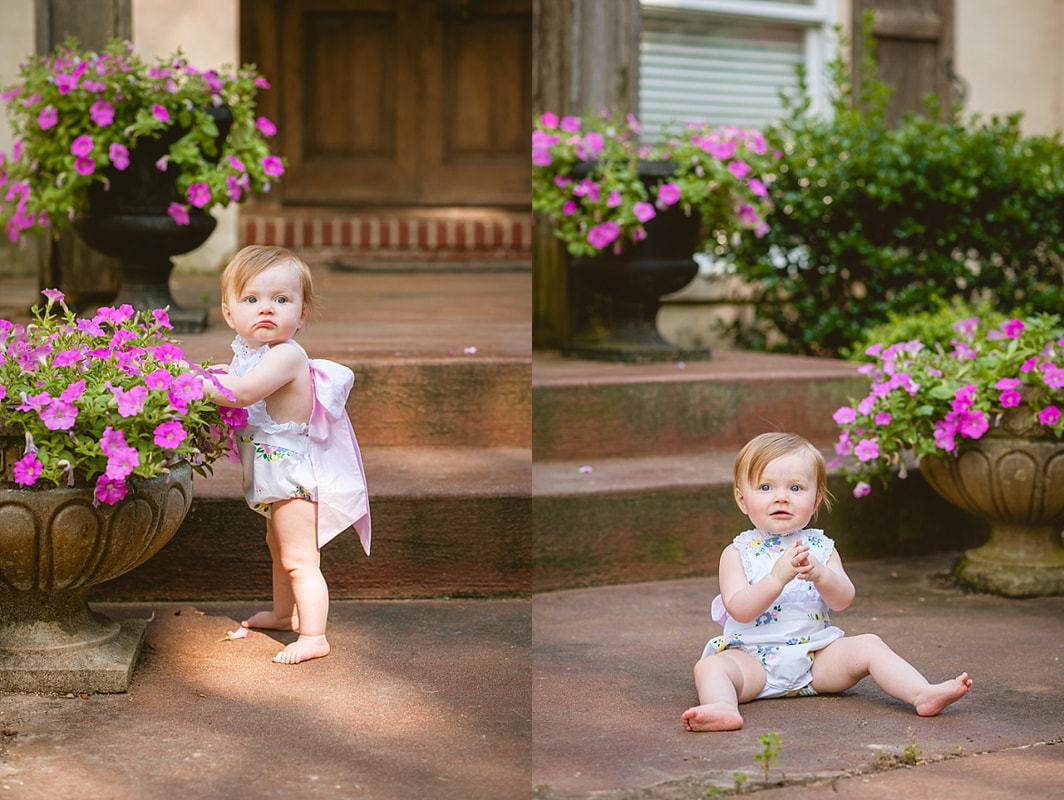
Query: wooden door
x=397, y=102
x=914, y=49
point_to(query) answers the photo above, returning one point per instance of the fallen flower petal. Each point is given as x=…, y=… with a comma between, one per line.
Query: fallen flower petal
x=240, y=633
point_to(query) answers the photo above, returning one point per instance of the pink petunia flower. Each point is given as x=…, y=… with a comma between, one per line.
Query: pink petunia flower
x=119, y=155
x=48, y=117
x=198, y=194
x=644, y=212
x=273, y=166
x=668, y=194
x=179, y=213
x=27, y=469
x=866, y=450
x=160, y=113
x=1050, y=415
x=267, y=127
x=81, y=146
x=110, y=490
x=170, y=435
x=603, y=234
x=102, y=113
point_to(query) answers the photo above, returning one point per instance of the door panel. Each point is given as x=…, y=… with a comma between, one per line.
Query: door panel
x=398, y=102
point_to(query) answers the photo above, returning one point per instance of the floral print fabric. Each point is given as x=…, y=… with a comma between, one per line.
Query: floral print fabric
x=785, y=637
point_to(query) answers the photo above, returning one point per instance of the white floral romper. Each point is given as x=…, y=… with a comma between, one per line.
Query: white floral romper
x=318, y=461
x=274, y=455
x=784, y=638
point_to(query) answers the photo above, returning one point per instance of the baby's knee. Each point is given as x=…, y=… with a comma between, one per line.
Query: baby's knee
x=870, y=642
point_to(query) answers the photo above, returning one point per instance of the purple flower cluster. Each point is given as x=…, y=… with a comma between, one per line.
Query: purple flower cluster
x=928, y=400
x=59, y=144
x=105, y=397
x=714, y=175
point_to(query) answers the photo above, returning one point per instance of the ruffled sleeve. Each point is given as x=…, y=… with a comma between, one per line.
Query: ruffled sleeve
x=343, y=498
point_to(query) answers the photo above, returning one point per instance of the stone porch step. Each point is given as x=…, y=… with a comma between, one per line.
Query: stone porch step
x=632, y=479
x=590, y=409
x=447, y=521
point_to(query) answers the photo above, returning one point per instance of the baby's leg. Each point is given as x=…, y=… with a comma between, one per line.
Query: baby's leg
x=723, y=681
x=282, y=617
x=845, y=661
x=295, y=522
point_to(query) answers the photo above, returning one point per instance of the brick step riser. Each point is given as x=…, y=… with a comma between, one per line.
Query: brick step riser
x=665, y=533
x=573, y=422
x=390, y=233
x=442, y=404
x=423, y=547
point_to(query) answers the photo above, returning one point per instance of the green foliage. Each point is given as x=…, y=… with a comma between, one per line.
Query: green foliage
x=872, y=218
x=912, y=751
x=771, y=747
x=589, y=173
x=930, y=327
x=76, y=115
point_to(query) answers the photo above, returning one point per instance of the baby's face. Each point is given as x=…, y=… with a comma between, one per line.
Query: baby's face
x=269, y=309
x=784, y=499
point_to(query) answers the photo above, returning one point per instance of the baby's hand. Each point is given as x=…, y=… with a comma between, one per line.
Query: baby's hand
x=794, y=562
x=813, y=570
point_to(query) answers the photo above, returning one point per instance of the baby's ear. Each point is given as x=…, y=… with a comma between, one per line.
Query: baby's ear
x=739, y=500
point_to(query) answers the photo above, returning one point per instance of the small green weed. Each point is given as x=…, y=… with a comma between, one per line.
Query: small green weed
x=771, y=747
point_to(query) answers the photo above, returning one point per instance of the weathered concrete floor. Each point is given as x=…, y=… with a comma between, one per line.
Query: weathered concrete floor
x=612, y=675
x=419, y=699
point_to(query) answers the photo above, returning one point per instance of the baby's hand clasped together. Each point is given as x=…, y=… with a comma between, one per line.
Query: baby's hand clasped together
x=798, y=562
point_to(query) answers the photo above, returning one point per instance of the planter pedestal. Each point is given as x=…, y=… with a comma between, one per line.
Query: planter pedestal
x=614, y=298
x=1017, y=484
x=54, y=545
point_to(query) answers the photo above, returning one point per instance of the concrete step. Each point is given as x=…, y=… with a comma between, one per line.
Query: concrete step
x=632, y=478
x=447, y=522
x=622, y=520
x=445, y=402
x=588, y=409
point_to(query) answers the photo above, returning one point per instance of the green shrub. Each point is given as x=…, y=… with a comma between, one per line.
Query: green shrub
x=930, y=327
x=872, y=219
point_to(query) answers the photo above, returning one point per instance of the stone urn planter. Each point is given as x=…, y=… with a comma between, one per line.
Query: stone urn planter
x=1016, y=482
x=614, y=298
x=56, y=543
x=128, y=220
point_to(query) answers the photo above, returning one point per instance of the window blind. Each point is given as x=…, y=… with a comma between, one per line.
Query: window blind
x=722, y=70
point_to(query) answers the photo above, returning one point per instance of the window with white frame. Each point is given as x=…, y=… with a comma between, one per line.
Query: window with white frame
x=726, y=61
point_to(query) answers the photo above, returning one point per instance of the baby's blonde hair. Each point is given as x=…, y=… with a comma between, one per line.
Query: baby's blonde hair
x=760, y=451
x=256, y=258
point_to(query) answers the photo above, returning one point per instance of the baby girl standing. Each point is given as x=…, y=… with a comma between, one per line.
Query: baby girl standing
x=302, y=466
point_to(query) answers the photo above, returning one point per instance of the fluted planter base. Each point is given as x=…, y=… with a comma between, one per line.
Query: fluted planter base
x=1017, y=484
x=55, y=544
x=1018, y=561
x=105, y=667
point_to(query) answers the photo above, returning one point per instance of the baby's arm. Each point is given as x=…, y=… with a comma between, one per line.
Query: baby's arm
x=746, y=601
x=831, y=581
x=277, y=368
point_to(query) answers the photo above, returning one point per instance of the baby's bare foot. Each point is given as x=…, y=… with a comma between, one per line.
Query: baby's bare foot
x=936, y=697
x=712, y=717
x=267, y=620
x=303, y=649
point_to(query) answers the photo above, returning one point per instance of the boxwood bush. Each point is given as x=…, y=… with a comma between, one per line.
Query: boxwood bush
x=872, y=219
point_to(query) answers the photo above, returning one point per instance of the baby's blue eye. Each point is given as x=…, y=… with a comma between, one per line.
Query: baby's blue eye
x=796, y=488
x=766, y=488
x=251, y=300
x=282, y=300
